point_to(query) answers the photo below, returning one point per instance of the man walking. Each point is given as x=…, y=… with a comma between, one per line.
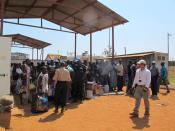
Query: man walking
x=142, y=82
x=164, y=76
x=154, y=79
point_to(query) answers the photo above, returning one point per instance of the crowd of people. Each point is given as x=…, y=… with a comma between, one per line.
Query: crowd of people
x=64, y=81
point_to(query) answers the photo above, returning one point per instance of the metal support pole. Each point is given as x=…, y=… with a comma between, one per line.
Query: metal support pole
x=37, y=54
x=42, y=54
x=90, y=47
x=113, y=48
x=168, y=42
x=125, y=50
x=32, y=53
x=2, y=16
x=75, y=46
x=41, y=22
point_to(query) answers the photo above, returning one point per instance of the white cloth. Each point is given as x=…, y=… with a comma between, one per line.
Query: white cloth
x=45, y=85
x=120, y=70
x=142, y=77
x=27, y=71
x=19, y=71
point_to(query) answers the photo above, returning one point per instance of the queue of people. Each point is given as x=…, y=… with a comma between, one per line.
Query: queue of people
x=63, y=81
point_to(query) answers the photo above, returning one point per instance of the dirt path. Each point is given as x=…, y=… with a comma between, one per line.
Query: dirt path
x=107, y=113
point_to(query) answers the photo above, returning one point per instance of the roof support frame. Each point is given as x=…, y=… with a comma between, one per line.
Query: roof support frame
x=75, y=18
x=29, y=8
x=40, y=27
x=34, y=16
x=100, y=10
x=73, y=14
x=90, y=21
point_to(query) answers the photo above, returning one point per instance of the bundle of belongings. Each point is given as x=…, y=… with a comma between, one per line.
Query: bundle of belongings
x=93, y=88
x=6, y=104
x=39, y=103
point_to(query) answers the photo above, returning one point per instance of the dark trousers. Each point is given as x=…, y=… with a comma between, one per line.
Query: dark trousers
x=61, y=94
x=154, y=85
x=129, y=83
x=120, y=83
x=78, y=91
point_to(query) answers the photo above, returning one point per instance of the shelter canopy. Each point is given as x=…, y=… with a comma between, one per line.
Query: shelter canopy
x=28, y=41
x=80, y=16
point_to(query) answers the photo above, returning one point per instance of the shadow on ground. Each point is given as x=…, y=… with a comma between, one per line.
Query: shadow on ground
x=140, y=123
x=51, y=117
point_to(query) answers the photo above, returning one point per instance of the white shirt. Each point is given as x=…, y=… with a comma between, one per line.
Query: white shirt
x=120, y=70
x=44, y=82
x=28, y=71
x=19, y=71
x=143, y=77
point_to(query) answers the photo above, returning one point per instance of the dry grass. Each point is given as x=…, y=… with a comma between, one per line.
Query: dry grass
x=172, y=75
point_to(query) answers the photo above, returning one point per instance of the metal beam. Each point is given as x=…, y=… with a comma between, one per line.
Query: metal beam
x=35, y=16
x=43, y=54
x=29, y=8
x=90, y=47
x=37, y=54
x=75, y=46
x=32, y=52
x=38, y=27
x=113, y=48
x=26, y=6
x=18, y=46
x=89, y=4
x=2, y=16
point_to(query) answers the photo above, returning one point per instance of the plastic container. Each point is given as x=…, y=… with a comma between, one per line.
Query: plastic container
x=89, y=94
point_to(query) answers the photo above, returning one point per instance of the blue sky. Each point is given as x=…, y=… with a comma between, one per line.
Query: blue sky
x=149, y=22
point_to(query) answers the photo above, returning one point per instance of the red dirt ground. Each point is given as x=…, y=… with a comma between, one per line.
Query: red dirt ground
x=106, y=113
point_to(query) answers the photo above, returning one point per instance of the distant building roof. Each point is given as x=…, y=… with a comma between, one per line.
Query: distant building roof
x=19, y=56
x=134, y=55
x=55, y=57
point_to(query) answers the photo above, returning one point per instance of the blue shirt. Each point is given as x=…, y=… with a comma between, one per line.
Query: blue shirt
x=164, y=72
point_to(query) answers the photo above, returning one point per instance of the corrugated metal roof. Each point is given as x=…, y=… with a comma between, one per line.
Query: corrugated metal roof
x=28, y=41
x=81, y=16
x=133, y=55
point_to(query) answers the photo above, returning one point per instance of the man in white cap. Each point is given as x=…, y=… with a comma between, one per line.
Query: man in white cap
x=142, y=82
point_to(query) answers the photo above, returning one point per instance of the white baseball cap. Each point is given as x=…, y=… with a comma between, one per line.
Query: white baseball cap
x=142, y=62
